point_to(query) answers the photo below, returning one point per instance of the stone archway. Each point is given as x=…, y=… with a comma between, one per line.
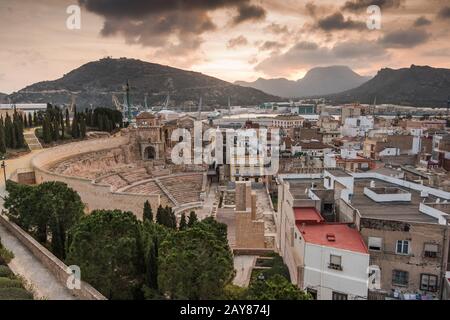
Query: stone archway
x=149, y=153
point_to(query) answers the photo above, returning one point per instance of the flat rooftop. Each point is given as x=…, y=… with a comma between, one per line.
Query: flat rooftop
x=338, y=173
x=343, y=236
x=297, y=187
x=399, y=211
x=307, y=215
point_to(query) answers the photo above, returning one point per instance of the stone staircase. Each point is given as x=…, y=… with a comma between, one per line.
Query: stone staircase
x=32, y=141
x=167, y=193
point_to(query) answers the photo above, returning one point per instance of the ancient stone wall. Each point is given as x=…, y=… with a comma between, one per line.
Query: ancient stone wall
x=95, y=196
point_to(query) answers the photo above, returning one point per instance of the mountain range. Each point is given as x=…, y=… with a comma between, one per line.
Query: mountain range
x=317, y=81
x=95, y=83
x=419, y=86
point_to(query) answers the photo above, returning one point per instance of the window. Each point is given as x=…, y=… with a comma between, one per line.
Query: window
x=400, y=278
x=375, y=243
x=339, y=296
x=402, y=247
x=428, y=282
x=335, y=262
x=430, y=250
x=312, y=292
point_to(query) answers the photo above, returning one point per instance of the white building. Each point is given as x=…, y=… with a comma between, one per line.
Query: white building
x=335, y=261
x=24, y=107
x=329, y=260
x=358, y=126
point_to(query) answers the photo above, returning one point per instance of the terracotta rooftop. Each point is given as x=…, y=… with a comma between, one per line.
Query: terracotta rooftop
x=307, y=215
x=339, y=236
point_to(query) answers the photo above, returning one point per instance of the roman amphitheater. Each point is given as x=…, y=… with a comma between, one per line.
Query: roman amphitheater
x=123, y=171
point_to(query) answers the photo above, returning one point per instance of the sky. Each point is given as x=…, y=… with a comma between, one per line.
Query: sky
x=228, y=39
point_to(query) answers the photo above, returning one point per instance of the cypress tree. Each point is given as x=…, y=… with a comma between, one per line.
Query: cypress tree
x=2, y=137
x=75, y=129
x=82, y=127
x=183, y=222
x=46, y=131
x=55, y=130
x=160, y=215
x=35, y=119
x=67, y=118
x=152, y=264
x=192, y=219
x=63, y=129
x=30, y=120
x=148, y=214
x=9, y=132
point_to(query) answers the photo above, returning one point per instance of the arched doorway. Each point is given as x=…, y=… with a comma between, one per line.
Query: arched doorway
x=149, y=153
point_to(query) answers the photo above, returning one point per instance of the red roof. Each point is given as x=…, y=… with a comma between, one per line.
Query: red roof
x=334, y=235
x=307, y=215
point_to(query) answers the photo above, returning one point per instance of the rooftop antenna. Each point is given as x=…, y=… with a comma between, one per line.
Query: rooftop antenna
x=200, y=108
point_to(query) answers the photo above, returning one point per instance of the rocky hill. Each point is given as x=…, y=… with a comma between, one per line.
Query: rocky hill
x=317, y=81
x=420, y=86
x=96, y=82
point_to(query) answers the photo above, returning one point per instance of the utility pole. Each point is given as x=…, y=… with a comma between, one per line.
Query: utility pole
x=3, y=165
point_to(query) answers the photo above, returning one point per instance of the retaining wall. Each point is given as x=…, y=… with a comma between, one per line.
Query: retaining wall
x=52, y=263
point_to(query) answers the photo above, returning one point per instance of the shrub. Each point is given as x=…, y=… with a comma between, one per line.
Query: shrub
x=15, y=294
x=5, y=256
x=10, y=283
x=5, y=272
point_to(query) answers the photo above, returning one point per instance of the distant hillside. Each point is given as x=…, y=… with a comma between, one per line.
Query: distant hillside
x=415, y=86
x=96, y=82
x=2, y=97
x=318, y=81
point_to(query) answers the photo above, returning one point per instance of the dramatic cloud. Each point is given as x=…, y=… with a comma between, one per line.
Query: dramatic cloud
x=422, y=21
x=271, y=46
x=249, y=13
x=405, y=38
x=307, y=54
x=359, y=5
x=237, y=42
x=337, y=21
x=176, y=26
x=276, y=28
x=444, y=13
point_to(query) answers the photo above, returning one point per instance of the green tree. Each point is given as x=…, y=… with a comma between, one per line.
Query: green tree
x=82, y=127
x=2, y=137
x=148, y=214
x=10, y=138
x=160, y=215
x=192, y=219
x=49, y=207
x=30, y=120
x=195, y=264
x=75, y=130
x=67, y=118
x=183, y=222
x=104, y=245
x=275, y=288
x=46, y=134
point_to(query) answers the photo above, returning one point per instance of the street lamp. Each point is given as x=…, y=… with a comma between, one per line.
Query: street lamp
x=3, y=165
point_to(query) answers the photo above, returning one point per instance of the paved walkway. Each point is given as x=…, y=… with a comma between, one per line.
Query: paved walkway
x=210, y=203
x=243, y=266
x=31, y=140
x=44, y=284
